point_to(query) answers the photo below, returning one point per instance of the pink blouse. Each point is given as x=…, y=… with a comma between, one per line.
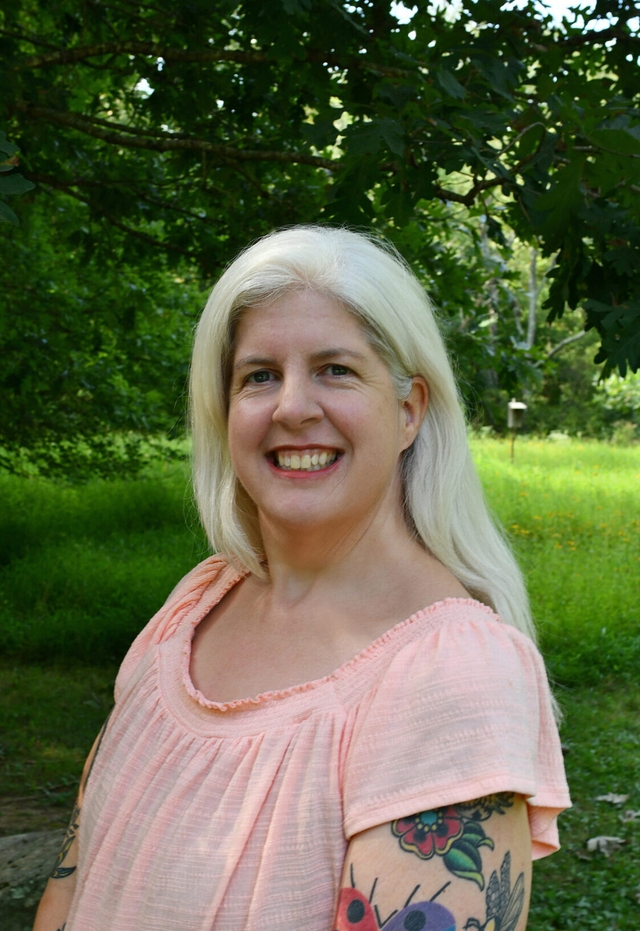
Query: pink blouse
x=235, y=816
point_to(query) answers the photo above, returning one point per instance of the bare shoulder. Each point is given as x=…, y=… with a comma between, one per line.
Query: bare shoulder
x=430, y=581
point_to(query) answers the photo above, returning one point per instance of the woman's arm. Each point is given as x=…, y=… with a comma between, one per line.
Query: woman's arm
x=465, y=866
x=56, y=900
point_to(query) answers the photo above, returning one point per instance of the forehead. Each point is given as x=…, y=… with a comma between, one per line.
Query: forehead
x=301, y=317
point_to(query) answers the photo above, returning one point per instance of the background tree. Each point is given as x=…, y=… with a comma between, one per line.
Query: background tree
x=179, y=132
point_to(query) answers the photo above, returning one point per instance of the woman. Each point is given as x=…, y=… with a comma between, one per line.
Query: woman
x=396, y=762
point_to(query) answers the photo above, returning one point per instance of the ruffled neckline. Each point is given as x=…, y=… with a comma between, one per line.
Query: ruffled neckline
x=361, y=658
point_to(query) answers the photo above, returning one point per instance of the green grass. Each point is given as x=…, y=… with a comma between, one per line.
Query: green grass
x=50, y=717
x=575, y=890
x=572, y=511
x=83, y=568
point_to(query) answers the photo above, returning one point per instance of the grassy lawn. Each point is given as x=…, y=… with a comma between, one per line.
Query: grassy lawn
x=574, y=889
x=572, y=511
x=83, y=568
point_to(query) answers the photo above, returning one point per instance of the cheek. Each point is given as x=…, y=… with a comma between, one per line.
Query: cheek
x=379, y=432
x=245, y=421
x=243, y=435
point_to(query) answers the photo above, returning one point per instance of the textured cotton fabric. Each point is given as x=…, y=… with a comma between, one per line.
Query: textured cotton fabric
x=205, y=816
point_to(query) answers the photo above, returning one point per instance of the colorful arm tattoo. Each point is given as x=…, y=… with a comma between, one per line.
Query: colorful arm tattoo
x=356, y=912
x=453, y=833
x=504, y=905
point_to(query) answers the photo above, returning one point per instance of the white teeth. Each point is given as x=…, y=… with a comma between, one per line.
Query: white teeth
x=307, y=462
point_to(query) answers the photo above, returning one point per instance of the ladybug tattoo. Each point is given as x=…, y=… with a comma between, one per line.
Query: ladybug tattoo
x=356, y=913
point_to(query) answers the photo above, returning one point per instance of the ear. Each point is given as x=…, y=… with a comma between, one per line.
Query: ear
x=414, y=408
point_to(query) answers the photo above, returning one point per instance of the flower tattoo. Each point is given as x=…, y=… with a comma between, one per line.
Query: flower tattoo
x=453, y=833
x=430, y=832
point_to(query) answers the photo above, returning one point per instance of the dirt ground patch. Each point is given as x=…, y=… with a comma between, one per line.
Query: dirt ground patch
x=28, y=814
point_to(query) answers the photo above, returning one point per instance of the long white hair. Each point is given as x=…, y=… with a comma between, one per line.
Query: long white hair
x=443, y=499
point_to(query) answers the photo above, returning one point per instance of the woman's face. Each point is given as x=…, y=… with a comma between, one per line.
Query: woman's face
x=315, y=427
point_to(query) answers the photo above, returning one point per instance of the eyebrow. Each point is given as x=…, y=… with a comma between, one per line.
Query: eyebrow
x=319, y=356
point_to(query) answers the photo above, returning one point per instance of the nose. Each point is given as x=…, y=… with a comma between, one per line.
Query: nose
x=297, y=402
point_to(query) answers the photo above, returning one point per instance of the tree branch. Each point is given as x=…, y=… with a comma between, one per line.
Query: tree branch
x=238, y=56
x=467, y=199
x=565, y=342
x=118, y=134
x=149, y=49
x=30, y=39
x=591, y=37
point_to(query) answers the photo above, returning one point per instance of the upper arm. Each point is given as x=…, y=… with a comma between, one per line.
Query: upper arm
x=58, y=894
x=463, y=866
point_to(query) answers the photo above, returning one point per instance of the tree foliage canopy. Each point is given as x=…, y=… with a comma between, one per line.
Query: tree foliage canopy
x=185, y=130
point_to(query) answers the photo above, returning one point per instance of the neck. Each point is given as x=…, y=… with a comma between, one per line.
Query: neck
x=304, y=561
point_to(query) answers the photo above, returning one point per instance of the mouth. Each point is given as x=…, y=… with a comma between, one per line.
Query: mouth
x=304, y=460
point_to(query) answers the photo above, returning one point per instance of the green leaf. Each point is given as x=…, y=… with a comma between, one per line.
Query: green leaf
x=616, y=140
x=501, y=75
x=399, y=95
x=6, y=213
x=321, y=133
x=562, y=202
x=399, y=205
x=296, y=7
x=625, y=260
x=450, y=84
x=7, y=147
x=367, y=138
x=620, y=330
x=15, y=184
x=565, y=187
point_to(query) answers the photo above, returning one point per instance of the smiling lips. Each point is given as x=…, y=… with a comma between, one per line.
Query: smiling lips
x=308, y=460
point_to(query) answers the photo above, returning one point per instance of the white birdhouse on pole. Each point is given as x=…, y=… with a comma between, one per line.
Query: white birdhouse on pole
x=515, y=419
x=516, y=414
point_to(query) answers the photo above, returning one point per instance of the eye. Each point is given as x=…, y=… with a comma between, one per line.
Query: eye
x=337, y=370
x=260, y=377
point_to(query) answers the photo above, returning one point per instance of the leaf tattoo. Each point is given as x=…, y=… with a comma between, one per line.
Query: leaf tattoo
x=59, y=871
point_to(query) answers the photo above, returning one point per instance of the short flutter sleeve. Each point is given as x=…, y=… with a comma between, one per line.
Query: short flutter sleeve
x=462, y=711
